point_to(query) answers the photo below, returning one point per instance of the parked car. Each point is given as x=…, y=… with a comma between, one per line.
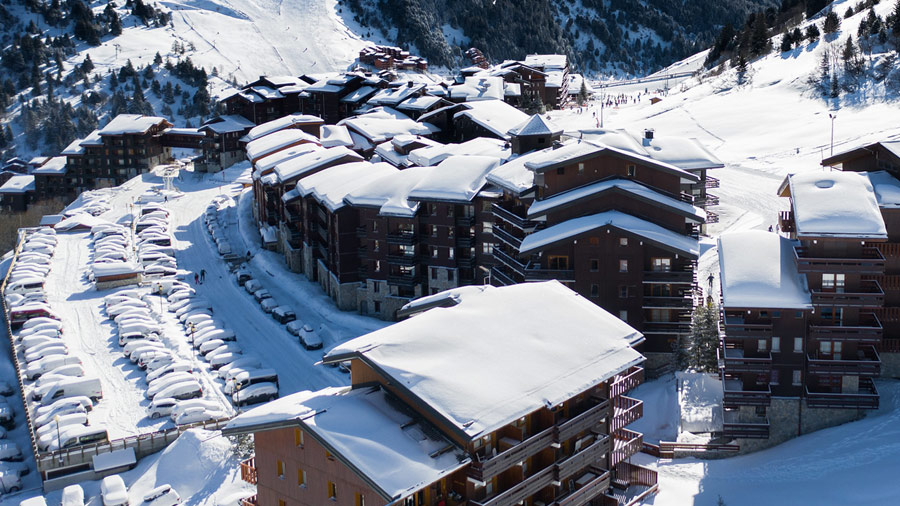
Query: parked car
x=73, y=495
x=213, y=334
x=309, y=338
x=6, y=389
x=222, y=359
x=184, y=405
x=9, y=451
x=284, y=314
x=245, y=362
x=163, y=495
x=160, y=384
x=252, y=286
x=113, y=491
x=79, y=435
x=181, y=391
x=242, y=276
x=39, y=367
x=294, y=327
x=177, y=366
x=85, y=386
x=61, y=407
x=11, y=482
x=194, y=415
x=259, y=392
x=7, y=416
x=161, y=407
x=261, y=294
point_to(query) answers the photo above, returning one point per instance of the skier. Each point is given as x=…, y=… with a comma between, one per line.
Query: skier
x=196, y=279
x=202, y=276
x=710, y=280
x=248, y=255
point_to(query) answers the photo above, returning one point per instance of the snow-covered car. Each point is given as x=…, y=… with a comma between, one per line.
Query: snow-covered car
x=163, y=495
x=70, y=370
x=6, y=389
x=160, y=362
x=123, y=307
x=284, y=314
x=35, y=369
x=268, y=304
x=158, y=271
x=261, y=294
x=181, y=391
x=73, y=495
x=9, y=451
x=213, y=333
x=252, y=286
x=113, y=491
x=245, y=362
x=62, y=407
x=11, y=482
x=309, y=338
x=172, y=367
x=242, y=275
x=224, y=247
x=138, y=343
x=161, y=407
x=184, y=405
x=259, y=392
x=210, y=345
x=194, y=415
x=294, y=327
x=222, y=349
x=34, y=322
x=194, y=312
x=222, y=359
x=46, y=350
x=196, y=319
x=34, y=341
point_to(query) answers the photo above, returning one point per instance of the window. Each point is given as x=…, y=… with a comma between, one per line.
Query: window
x=833, y=282
x=580, y=169
x=487, y=248
x=375, y=287
x=451, y=251
x=434, y=231
x=776, y=314
x=298, y=438
x=449, y=211
x=434, y=251
x=332, y=491
x=595, y=290
x=559, y=262
x=561, y=171
x=375, y=226
x=360, y=500
x=776, y=344
x=661, y=264
x=281, y=502
x=376, y=247
x=763, y=314
x=433, y=273
x=773, y=377
x=825, y=347
x=301, y=478
x=623, y=315
x=623, y=292
x=594, y=241
x=487, y=227
x=595, y=264
x=623, y=241
x=451, y=232
x=328, y=455
x=432, y=209
x=623, y=265
x=377, y=307
x=630, y=170
x=761, y=346
x=796, y=380
x=449, y=274
x=377, y=265
x=798, y=345
x=279, y=469
x=798, y=314
x=485, y=206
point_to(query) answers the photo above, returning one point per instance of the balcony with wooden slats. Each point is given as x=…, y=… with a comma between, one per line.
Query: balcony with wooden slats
x=868, y=261
x=866, y=362
x=866, y=397
x=594, y=482
x=866, y=330
x=248, y=471
x=625, y=444
x=625, y=411
x=868, y=295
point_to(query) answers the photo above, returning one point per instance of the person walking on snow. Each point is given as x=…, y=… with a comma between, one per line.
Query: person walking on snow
x=196, y=279
x=202, y=276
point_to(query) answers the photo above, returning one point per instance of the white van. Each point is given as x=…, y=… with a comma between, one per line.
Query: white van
x=251, y=377
x=166, y=381
x=80, y=435
x=181, y=391
x=88, y=387
x=27, y=285
x=39, y=367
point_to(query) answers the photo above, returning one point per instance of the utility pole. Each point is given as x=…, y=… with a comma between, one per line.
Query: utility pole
x=833, y=117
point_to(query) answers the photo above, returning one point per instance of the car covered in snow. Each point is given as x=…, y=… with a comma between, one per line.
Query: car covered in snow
x=73, y=495
x=258, y=392
x=252, y=286
x=284, y=314
x=113, y=491
x=163, y=495
x=309, y=338
x=267, y=304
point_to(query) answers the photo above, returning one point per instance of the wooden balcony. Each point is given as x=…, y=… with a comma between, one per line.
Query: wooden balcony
x=405, y=260
x=598, y=410
x=869, y=261
x=625, y=411
x=626, y=381
x=509, y=261
x=506, y=237
x=594, y=482
x=253, y=500
x=736, y=362
x=868, y=295
x=865, y=363
x=711, y=182
x=736, y=394
x=735, y=327
x=512, y=218
x=685, y=277
x=527, y=488
x=465, y=221
x=734, y=426
x=548, y=274
x=625, y=444
x=866, y=398
x=786, y=221
x=465, y=241
x=402, y=238
x=583, y=458
x=683, y=302
x=499, y=278
x=632, y=484
x=867, y=330
x=676, y=327
x=492, y=466
x=248, y=471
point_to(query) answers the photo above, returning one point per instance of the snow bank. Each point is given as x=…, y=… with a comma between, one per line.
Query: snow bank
x=700, y=398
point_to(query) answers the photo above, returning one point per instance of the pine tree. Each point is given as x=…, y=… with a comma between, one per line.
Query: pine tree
x=787, y=42
x=87, y=65
x=582, y=93
x=812, y=33
x=832, y=23
x=741, y=67
x=895, y=19
x=157, y=60
x=113, y=81
x=759, y=38
x=704, y=338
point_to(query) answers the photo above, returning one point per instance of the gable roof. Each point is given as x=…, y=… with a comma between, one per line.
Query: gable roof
x=456, y=179
x=835, y=204
x=758, y=270
x=892, y=147
x=303, y=164
x=495, y=116
x=536, y=125
x=390, y=193
x=132, y=124
x=684, y=153
x=331, y=185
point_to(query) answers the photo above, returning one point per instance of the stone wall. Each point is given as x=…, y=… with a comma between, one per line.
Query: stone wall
x=388, y=303
x=890, y=365
x=790, y=417
x=439, y=279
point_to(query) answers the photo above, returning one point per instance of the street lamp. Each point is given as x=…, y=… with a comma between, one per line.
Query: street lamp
x=58, y=442
x=832, y=117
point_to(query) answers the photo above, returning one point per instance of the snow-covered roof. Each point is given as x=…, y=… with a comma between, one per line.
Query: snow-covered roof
x=228, y=124
x=513, y=176
x=576, y=150
x=18, y=184
x=512, y=89
x=386, y=150
x=276, y=141
x=56, y=165
x=131, y=124
x=393, y=96
x=682, y=152
x=80, y=220
x=835, y=204
x=651, y=232
x=496, y=116
x=499, y=353
x=280, y=81
x=575, y=82
x=758, y=270
x=546, y=61
x=478, y=88
x=485, y=146
x=335, y=135
x=378, y=127
x=456, y=179
x=74, y=148
x=390, y=193
x=363, y=427
x=421, y=103
x=324, y=86
x=359, y=94
x=275, y=125
x=887, y=189
x=637, y=190
x=184, y=131
x=331, y=185
x=536, y=125
x=270, y=161
x=92, y=139
x=303, y=164
x=115, y=269
x=266, y=92
x=554, y=78
x=360, y=143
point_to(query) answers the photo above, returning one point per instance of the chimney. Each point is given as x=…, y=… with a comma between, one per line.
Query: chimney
x=648, y=134
x=557, y=144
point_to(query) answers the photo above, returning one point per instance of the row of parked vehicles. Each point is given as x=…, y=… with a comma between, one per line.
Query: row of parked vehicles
x=155, y=251
x=113, y=492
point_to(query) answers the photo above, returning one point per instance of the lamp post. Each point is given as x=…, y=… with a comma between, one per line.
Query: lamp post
x=58, y=442
x=832, y=117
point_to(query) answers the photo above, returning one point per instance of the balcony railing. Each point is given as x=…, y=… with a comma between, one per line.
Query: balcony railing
x=506, y=237
x=867, y=330
x=465, y=241
x=626, y=381
x=466, y=262
x=736, y=362
x=677, y=327
x=736, y=394
x=253, y=500
x=509, y=261
x=734, y=426
x=711, y=182
x=670, y=277
x=865, y=398
x=869, y=261
x=583, y=458
x=528, y=487
x=583, y=421
x=403, y=280
x=504, y=460
x=532, y=274
x=402, y=237
x=501, y=278
x=786, y=221
x=587, y=488
x=868, y=295
x=865, y=363
x=654, y=302
x=405, y=260
x=361, y=232
x=465, y=221
x=248, y=471
x=625, y=411
x=736, y=328
x=625, y=444
x=512, y=218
